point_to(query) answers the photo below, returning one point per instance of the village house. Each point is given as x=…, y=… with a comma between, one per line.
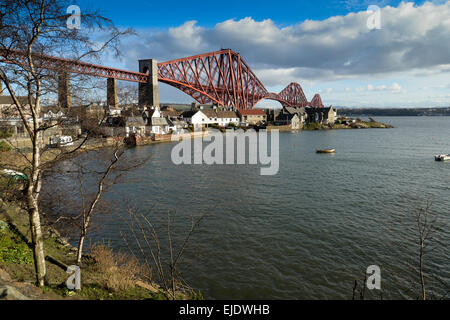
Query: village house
x=122, y=126
x=155, y=121
x=52, y=113
x=252, y=116
x=170, y=114
x=135, y=125
x=8, y=109
x=322, y=115
x=90, y=111
x=201, y=118
x=295, y=117
x=176, y=126
x=272, y=114
x=113, y=111
x=225, y=118
x=113, y=127
x=187, y=116
x=159, y=125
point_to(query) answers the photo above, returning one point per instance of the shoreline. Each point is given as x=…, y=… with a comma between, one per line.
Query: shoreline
x=17, y=268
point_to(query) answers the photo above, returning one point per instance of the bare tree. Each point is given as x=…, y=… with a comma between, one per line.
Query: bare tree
x=35, y=28
x=86, y=214
x=425, y=232
x=88, y=181
x=127, y=94
x=426, y=224
x=145, y=236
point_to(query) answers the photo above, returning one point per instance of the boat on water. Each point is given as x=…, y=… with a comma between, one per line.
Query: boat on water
x=326, y=151
x=442, y=157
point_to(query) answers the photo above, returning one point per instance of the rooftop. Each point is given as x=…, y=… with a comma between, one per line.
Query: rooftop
x=252, y=112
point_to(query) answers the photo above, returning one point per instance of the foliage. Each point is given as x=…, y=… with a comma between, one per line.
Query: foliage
x=12, y=248
x=6, y=133
x=5, y=147
x=3, y=227
x=115, y=271
x=312, y=126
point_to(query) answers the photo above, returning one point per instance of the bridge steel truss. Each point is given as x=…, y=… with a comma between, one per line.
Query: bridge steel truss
x=224, y=78
x=220, y=77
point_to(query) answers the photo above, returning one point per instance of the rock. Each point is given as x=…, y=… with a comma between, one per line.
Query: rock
x=10, y=293
x=146, y=286
x=4, y=276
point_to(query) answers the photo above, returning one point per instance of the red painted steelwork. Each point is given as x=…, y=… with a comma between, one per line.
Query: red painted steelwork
x=220, y=77
x=72, y=66
x=316, y=102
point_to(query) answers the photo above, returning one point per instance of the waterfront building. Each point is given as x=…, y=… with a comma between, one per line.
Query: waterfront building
x=252, y=116
x=225, y=118
x=295, y=117
x=8, y=108
x=52, y=113
x=322, y=115
x=135, y=125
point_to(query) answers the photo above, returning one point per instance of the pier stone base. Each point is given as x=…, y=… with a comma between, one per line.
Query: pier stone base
x=111, y=93
x=149, y=92
x=64, y=98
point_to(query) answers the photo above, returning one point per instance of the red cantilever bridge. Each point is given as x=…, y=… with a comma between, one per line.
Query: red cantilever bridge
x=220, y=77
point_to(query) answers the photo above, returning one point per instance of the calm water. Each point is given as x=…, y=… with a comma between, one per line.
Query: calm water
x=311, y=230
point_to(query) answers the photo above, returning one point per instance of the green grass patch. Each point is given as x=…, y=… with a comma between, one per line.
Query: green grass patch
x=12, y=247
x=5, y=147
x=312, y=126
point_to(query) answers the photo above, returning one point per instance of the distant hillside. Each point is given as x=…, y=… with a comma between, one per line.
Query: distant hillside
x=397, y=112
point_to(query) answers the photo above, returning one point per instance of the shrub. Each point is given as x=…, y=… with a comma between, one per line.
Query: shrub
x=115, y=271
x=4, y=147
x=313, y=126
x=6, y=133
x=12, y=248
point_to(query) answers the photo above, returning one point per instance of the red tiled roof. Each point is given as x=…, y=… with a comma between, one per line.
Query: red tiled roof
x=252, y=112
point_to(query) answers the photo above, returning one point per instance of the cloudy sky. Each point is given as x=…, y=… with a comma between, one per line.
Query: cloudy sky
x=337, y=48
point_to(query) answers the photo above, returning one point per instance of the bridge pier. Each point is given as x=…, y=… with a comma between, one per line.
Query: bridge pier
x=64, y=97
x=111, y=93
x=149, y=92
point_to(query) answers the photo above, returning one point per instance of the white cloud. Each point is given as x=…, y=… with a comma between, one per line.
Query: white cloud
x=412, y=37
x=414, y=42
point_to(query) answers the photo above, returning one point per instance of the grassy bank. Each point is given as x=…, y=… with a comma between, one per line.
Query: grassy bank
x=106, y=275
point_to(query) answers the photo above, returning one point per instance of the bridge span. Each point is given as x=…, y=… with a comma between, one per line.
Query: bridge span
x=220, y=77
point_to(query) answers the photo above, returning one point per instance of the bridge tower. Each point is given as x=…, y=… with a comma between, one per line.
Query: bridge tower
x=111, y=92
x=149, y=92
x=64, y=97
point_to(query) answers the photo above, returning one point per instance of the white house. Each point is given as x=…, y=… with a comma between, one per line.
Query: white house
x=50, y=115
x=176, y=126
x=159, y=125
x=225, y=118
x=201, y=118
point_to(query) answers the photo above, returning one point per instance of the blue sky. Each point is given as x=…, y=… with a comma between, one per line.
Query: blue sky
x=165, y=14
x=326, y=46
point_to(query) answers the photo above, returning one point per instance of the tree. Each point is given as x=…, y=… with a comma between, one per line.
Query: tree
x=142, y=231
x=35, y=28
x=90, y=175
x=127, y=94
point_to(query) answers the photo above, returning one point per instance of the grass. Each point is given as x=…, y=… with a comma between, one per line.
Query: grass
x=312, y=126
x=105, y=274
x=12, y=248
x=5, y=147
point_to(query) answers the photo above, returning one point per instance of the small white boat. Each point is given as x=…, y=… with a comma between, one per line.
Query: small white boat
x=60, y=141
x=442, y=157
x=326, y=151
